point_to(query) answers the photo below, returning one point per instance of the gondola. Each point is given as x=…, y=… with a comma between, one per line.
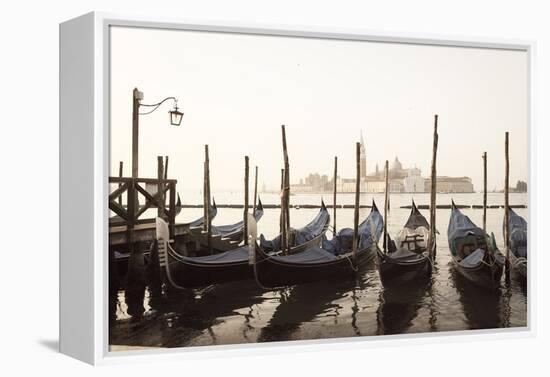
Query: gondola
x=198, y=223
x=410, y=259
x=224, y=237
x=189, y=272
x=234, y=232
x=121, y=256
x=517, y=236
x=334, y=260
x=302, y=238
x=474, y=253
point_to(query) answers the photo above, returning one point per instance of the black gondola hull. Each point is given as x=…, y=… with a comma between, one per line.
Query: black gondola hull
x=484, y=275
x=193, y=274
x=397, y=272
x=189, y=275
x=271, y=273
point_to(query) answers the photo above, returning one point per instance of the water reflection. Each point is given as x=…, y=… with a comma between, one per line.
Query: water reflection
x=186, y=315
x=482, y=307
x=239, y=312
x=312, y=302
x=399, y=306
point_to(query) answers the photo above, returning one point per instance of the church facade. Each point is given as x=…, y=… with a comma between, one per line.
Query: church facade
x=400, y=180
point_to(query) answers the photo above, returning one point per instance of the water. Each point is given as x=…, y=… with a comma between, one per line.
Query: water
x=240, y=312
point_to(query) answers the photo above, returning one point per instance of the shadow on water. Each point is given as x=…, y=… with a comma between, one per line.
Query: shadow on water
x=311, y=302
x=483, y=308
x=186, y=315
x=399, y=305
x=240, y=312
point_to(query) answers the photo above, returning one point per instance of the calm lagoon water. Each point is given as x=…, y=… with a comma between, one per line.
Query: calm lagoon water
x=240, y=312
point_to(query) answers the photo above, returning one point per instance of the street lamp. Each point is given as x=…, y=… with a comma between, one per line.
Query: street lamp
x=176, y=117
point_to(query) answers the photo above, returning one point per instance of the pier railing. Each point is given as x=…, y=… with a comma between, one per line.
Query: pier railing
x=129, y=215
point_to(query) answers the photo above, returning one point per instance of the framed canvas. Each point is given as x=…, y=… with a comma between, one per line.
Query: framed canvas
x=241, y=187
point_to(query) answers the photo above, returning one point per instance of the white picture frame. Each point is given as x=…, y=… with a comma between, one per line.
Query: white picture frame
x=84, y=167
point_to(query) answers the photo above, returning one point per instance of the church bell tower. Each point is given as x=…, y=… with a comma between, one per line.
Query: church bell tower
x=363, y=159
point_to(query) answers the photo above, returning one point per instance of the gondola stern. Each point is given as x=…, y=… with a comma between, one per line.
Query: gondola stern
x=374, y=208
x=178, y=204
x=258, y=214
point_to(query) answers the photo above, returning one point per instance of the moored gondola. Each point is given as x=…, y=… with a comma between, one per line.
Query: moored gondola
x=187, y=272
x=410, y=259
x=474, y=253
x=234, y=232
x=121, y=257
x=198, y=223
x=334, y=260
x=303, y=238
x=223, y=237
x=517, y=236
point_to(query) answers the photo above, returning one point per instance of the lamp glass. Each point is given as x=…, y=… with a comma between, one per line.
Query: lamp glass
x=175, y=117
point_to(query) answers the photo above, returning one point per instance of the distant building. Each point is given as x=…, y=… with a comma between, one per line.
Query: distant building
x=399, y=180
x=363, y=159
x=451, y=184
x=414, y=182
x=313, y=183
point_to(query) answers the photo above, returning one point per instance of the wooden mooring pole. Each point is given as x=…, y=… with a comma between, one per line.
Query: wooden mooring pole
x=286, y=190
x=282, y=215
x=386, y=201
x=245, y=212
x=136, y=97
x=255, y=191
x=204, y=192
x=160, y=187
x=207, y=224
x=484, y=156
x=433, y=191
x=356, y=209
x=120, y=175
x=506, y=205
x=135, y=281
x=334, y=194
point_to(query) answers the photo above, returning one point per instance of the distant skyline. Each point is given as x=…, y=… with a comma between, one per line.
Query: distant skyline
x=236, y=90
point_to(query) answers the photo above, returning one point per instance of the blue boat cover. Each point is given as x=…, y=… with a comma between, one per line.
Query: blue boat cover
x=302, y=235
x=241, y=254
x=312, y=255
x=517, y=234
x=198, y=222
x=236, y=255
x=461, y=226
x=343, y=241
x=227, y=230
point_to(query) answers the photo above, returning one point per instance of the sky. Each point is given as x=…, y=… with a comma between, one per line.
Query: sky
x=236, y=90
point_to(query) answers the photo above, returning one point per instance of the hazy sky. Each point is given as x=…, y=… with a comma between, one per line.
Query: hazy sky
x=236, y=90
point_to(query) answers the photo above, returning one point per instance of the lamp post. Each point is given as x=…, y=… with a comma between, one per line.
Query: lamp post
x=175, y=120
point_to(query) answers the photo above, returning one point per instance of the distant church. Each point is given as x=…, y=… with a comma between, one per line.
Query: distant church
x=399, y=179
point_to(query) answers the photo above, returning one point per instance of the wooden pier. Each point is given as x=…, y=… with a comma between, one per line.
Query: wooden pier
x=128, y=226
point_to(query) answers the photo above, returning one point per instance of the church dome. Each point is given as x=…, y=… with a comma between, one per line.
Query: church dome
x=396, y=165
